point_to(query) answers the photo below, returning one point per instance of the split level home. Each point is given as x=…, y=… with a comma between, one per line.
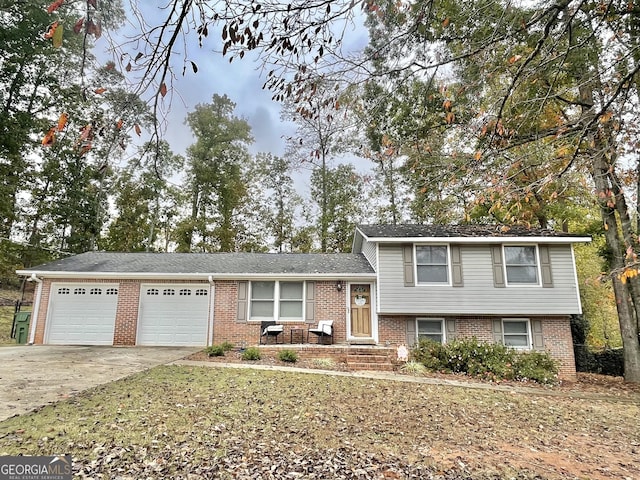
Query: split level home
x=401, y=283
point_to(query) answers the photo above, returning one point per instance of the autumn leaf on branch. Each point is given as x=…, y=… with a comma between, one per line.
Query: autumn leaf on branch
x=77, y=27
x=52, y=30
x=54, y=6
x=50, y=137
x=62, y=121
x=136, y=127
x=100, y=91
x=57, y=36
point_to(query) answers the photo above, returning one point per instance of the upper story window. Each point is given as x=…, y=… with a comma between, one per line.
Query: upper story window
x=432, y=329
x=521, y=264
x=272, y=300
x=432, y=264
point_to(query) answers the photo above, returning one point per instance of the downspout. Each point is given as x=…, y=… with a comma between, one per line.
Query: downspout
x=212, y=291
x=36, y=308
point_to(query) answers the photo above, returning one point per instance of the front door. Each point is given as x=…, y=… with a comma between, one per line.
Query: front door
x=360, y=310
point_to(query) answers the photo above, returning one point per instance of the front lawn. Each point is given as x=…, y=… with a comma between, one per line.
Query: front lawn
x=199, y=422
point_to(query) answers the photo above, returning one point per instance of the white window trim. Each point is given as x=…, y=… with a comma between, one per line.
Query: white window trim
x=415, y=265
x=538, y=270
x=529, y=337
x=276, y=302
x=443, y=327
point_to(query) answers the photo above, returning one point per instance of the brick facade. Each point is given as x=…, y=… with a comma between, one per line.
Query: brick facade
x=329, y=304
x=556, y=332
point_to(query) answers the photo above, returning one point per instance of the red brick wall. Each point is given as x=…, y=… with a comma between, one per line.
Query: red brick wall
x=393, y=329
x=42, y=312
x=556, y=331
x=332, y=305
x=329, y=305
x=127, y=313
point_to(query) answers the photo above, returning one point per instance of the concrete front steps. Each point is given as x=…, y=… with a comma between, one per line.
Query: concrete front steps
x=355, y=357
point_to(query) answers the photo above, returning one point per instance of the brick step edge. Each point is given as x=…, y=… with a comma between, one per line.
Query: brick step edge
x=367, y=359
x=381, y=367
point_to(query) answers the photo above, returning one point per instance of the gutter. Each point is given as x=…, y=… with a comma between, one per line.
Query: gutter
x=480, y=240
x=147, y=276
x=36, y=308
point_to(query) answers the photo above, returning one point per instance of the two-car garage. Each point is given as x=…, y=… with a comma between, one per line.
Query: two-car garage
x=168, y=314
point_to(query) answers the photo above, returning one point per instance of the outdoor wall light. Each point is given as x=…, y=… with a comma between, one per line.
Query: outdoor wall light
x=339, y=285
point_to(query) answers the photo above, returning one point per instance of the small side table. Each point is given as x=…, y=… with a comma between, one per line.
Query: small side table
x=295, y=331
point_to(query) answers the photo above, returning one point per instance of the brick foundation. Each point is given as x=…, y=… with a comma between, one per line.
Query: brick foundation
x=556, y=331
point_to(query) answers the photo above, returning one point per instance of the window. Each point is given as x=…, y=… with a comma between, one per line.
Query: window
x=515, y=333
x=153, y=291
x=95, y=291
x=521, y=264
x=112, y=291
x=168, y=291
x=432, y=264
x=431, y=328
x=276, y=300
x=79, y=291
x=64, y=291
x=262, y=299
x=184, y=292
x=290, y=300
x=202, y=292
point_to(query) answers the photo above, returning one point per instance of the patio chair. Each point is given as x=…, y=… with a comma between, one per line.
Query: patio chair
x=270, y=329
x=323, y=330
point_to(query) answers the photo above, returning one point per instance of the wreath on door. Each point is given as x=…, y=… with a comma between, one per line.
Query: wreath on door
x=360, y=300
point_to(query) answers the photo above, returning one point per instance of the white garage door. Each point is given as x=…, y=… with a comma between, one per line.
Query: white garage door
x=82, y=314
x=173, y=315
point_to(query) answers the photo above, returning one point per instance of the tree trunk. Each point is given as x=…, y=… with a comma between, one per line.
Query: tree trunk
x=627, y=299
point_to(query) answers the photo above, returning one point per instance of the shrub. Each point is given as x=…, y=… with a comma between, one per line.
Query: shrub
x=288, y=356
x=414, y=368
x=227, y=346
x=536, y=366
x=215, y=351
x=430, y=354
x=490, y=361
x=251, y=353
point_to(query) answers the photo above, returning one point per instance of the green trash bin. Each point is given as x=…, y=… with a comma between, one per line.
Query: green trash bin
x=21, y=322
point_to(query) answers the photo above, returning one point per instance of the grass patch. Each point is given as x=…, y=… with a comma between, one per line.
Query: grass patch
x=224, y=423
x=324, y=363
x=6, y=320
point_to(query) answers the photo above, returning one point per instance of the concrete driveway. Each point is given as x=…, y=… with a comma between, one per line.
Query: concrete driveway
x=35, y=375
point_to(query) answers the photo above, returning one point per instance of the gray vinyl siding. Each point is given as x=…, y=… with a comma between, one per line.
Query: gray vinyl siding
x=478, y=295
x=369, y=251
